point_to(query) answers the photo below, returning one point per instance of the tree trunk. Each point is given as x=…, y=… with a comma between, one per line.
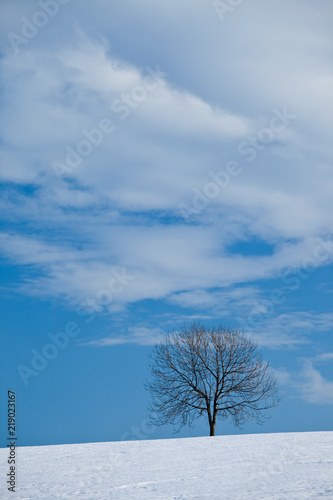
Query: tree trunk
x=212, y=421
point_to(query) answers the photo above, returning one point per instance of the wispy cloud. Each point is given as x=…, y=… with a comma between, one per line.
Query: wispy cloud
x=309, y=384
x=313, y=387
x=136, y=335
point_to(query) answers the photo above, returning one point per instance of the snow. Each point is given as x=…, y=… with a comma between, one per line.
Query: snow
x=255, y=466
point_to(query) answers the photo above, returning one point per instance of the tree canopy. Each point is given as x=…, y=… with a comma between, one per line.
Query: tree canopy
x=213, y=372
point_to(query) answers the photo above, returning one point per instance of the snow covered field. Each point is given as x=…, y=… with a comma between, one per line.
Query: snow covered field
x=256, y=466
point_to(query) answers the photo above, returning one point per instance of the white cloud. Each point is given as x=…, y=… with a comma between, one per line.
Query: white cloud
x=92, y=69
x=182, y=113
x=119, y=207
x=135, y=335
x=309, y=384
x=165, y=260
x=327, y=356
x=313, y=387
x=290, y=329
x=282, y=375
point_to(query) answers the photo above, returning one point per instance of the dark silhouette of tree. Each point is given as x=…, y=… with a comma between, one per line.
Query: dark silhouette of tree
x=215, y=372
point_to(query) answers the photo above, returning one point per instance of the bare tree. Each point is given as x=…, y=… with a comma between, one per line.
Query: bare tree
x=215, y=372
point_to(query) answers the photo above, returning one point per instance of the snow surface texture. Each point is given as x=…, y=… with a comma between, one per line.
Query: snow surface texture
x=255, y=466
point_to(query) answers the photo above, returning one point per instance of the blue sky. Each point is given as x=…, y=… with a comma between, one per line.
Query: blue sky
x=162, y=163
